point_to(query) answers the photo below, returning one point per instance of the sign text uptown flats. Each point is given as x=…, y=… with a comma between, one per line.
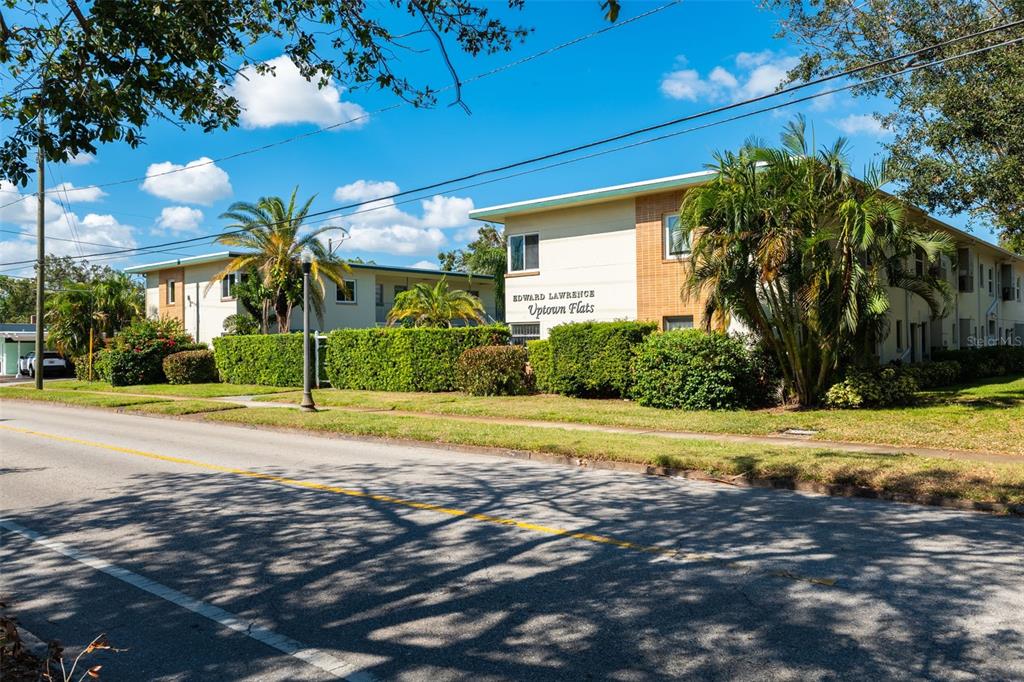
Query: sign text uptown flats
x=567, y=302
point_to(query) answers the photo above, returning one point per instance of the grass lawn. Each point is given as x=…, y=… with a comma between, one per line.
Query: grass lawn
x=182, y=390
x=985, y=416
x=183, y=407
x=78, y=398
x=970, y=480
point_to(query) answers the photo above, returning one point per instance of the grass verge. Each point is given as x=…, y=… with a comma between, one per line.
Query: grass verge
x=986, y=417
x=910, y=475
x=78, y=398
x=183, y=407
x=180, y=390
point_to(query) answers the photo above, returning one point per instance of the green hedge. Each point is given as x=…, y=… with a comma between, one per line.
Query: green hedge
x=191, y=367
x=885, y=387
x=695, y=370
x=539, y=355
x=984, y=362
x=264, y=359
x=592, y=359
x=403, y=359
x=493, y=370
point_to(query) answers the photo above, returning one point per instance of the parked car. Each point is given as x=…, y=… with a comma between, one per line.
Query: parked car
x=53, y=363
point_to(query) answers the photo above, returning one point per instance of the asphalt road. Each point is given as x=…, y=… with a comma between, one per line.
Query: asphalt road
x=223, y=553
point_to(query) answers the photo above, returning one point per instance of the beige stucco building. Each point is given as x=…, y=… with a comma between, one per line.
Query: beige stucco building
x=609, y=254
x=180, y=289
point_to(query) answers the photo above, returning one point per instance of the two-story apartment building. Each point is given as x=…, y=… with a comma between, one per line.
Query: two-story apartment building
x=609, y=254
x=181, y=289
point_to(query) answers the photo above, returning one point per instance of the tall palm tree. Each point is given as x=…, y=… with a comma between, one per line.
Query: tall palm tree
x=271, y=232
x=788, y=242
x=435, y=306
x=102, y=307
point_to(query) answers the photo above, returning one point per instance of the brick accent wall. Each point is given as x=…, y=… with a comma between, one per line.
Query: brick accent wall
x=176, y=309
x=659, y=281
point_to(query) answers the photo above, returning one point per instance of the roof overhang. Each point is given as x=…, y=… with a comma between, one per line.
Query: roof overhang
x=179, y=262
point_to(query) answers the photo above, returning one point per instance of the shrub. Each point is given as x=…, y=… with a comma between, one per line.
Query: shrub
x=593, y=359
x=264, y=359
x=538, y=354
x=81, y=365
x=135, y=355
x=929, y=375
x=986, y=361
x=695, y=370
x=493, y=370
x=403, y=358
x=191, y=367
x=241, y=324
x=886, y=387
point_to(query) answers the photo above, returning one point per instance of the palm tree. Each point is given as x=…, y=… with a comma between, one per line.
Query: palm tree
x=803, y=253
x=435, y=306
x=102, y=307
x=269, y=230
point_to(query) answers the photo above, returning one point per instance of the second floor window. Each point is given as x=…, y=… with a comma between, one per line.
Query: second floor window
x=523, y=252
x=227, y=286
x=171, y=295
x=677, y=243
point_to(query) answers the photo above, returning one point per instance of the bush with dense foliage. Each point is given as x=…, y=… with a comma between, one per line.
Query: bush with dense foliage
x=241, y=324
x=986, y=361
x=403, y=358
x=886, y=387
x=493, y=370
x=136, y=354
x=191, y=367
x=81, y=365
x=936, y=374
x=538, y=354
x=593, y=359
x=264, y=359
x=695, y=370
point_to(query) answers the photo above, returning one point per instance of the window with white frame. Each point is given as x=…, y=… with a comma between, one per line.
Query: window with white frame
x=171, y=291
x=346, y=294
x=676, y=241
x=227, y=287
x=677, y=322
x=524, y=331
x=523, y=252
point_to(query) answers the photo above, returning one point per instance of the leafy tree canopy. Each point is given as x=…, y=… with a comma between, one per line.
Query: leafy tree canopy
x=18, y=294
x=101, y=70
x=485, y=255
x=957, y=128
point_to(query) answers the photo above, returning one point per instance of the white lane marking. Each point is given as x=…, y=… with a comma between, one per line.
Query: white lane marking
x=315, y=657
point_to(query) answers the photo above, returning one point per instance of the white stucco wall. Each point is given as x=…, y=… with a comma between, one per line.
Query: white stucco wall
x=587, y=259
x=153, y=295
x=212, y=308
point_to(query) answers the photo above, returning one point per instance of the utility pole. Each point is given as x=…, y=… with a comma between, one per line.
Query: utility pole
x=40, y=256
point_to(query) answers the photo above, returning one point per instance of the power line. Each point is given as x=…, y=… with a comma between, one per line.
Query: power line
x=335, y=211
x=366, y=115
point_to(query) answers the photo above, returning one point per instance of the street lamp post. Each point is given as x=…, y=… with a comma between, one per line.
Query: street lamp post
x=307, y=404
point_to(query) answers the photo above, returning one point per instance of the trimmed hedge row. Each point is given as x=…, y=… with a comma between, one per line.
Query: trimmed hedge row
x=403, y=358
x=264, y=359
x=493, y=370
x=987, y=361
x=539, y=355
x=593, y=359
x=191, y=367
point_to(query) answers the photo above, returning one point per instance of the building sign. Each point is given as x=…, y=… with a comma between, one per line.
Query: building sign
x=565, y=302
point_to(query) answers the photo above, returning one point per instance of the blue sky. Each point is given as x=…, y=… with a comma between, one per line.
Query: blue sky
x=682, y=60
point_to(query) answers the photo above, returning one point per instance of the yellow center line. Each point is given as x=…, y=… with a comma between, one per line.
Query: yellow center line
x=426, y=506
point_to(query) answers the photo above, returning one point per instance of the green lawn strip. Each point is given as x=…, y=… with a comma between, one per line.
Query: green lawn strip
x=182, y=407
x=907, y=474
x=176, y=390
x=983, y=417
x=78, y=397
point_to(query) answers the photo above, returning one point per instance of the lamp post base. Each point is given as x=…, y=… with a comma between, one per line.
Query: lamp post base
x=307, y=404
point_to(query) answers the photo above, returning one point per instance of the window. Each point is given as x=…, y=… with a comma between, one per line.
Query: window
x=379, y=294
x=991, y=327
x=524, y=331
x=346, y=294
x=677, y=322
x=1018, y=290
x=899, y=334
x=523, y=252
x=990, y=281
x=919, y=262
x=399, y=288
x=227, y=286
x=171, y=294
x=677, y=244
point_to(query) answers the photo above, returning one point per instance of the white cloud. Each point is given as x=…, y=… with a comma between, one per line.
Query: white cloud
x=753, y=74
x=81, y=159
x=70, y=194
x=62, y=228
x=425, y=265
x=178, y=219
x=861, y=124
x=203, y=183
x=285, y=97
x=442, y=211
x=380, y=226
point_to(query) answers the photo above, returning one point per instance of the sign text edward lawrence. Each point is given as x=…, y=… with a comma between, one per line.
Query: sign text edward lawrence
x=558, y=302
